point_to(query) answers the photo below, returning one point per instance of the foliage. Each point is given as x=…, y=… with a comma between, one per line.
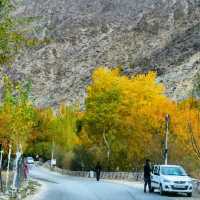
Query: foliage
x=123, y=123
x=83, y=159
x=125, y=119
x=53, y=131
x=16, y=114
x=22, y=124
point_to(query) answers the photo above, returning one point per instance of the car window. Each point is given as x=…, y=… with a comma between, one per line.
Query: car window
x=156, y=170
x=173, y=171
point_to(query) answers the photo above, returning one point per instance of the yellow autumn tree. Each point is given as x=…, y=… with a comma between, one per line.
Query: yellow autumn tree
x=16, y=114
x=125, y=120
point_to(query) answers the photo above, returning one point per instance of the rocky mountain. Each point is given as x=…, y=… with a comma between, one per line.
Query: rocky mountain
x=141, y=35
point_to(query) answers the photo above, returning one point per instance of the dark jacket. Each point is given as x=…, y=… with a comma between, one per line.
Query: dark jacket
x=98, y=168
x=147, y=171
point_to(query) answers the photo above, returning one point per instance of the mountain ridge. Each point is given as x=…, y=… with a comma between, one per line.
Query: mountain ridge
x=159, y=35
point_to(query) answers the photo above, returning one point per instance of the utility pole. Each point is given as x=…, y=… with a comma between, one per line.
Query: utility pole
x=52, y=154
x=167, y=120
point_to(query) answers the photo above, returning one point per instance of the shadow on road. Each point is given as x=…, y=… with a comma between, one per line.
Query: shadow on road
x=177, y=195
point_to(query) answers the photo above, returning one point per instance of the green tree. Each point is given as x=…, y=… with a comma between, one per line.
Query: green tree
x=17, y=113
x=53, y=131
x=102, y=119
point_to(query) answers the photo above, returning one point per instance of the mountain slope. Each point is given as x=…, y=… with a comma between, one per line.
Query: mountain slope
x=161, y=35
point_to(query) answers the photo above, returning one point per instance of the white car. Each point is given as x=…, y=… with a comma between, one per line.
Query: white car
x=171, y=178
x=30, y=160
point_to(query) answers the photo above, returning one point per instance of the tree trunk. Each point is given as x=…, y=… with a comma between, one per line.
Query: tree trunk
x=107, y=146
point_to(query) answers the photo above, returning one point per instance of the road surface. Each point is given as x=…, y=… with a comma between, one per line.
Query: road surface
x=59, y=187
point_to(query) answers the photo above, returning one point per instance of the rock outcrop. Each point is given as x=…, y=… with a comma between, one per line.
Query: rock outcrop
x=141, y=35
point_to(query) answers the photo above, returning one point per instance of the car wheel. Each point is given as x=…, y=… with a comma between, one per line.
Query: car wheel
x=161, y=191
x=189, y=194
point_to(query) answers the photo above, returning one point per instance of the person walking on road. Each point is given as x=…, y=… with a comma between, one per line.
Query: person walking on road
x=98, y=171
x=147, y=175
x=26, y=170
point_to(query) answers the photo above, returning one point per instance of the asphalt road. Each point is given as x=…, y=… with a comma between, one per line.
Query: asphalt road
x=59, y=187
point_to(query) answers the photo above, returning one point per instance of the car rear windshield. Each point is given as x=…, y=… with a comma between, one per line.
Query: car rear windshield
x=173, y=171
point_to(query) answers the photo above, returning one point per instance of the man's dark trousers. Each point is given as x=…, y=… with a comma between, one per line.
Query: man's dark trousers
x=98, y=176
x=147, y=181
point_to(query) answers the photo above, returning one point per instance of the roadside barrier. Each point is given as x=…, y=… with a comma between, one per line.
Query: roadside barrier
x=132, y=176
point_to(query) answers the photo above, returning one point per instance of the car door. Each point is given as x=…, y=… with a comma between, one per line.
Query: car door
x=155, y=180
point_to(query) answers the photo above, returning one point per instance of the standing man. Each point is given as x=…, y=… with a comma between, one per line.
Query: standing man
x=147, y=175
x=98, y=171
